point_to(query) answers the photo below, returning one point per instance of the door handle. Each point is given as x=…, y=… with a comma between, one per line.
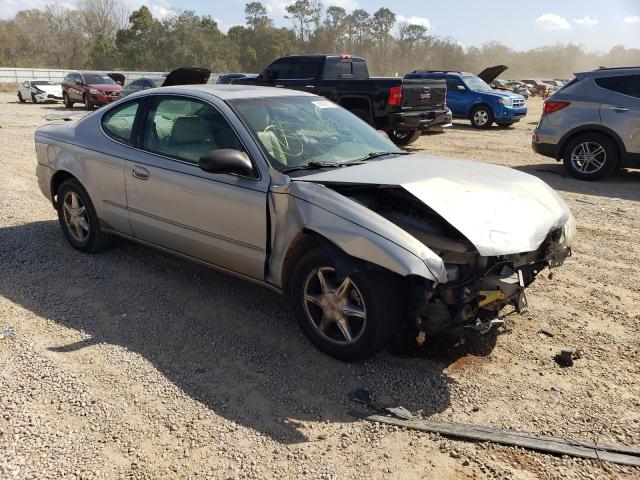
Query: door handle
x=618, y=109
x=309, y=86
x=140, y=173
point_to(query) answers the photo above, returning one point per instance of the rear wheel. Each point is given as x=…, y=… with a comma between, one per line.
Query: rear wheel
x=67, y=101
x=78, y=218
x=20, y=99
x=350, y=318
x=591, y=156
x=404, y=137
x=481, y=117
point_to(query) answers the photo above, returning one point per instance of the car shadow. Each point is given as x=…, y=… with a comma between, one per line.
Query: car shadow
x=466, y=126
x=622, y=184
x=229, y=344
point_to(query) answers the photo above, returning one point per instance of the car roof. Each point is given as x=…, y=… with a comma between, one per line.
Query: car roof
x=234, y=91
x=611, y=71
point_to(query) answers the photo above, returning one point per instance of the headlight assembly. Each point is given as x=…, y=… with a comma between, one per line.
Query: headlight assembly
x=93, y=91
x=568, y=231
x=505, y=101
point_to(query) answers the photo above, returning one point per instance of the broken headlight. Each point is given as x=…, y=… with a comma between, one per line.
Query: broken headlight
x=568, y=231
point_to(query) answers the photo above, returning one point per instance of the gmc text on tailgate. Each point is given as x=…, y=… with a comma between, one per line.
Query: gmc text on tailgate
x=403, y=108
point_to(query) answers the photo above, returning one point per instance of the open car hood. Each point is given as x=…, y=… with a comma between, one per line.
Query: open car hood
x=491, y=73
x=499, y=210
x=117, y=77
x=187, y=76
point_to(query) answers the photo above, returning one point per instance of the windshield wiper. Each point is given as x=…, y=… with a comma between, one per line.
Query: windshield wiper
x=313, y=165
x=372, y=155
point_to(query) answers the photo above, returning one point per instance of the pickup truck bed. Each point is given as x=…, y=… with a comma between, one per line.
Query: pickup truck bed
x=403, y=108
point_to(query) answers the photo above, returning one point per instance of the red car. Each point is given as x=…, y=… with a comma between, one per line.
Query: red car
x=91, y=88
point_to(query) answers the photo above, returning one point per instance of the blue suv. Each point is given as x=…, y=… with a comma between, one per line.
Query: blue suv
x=469, y=96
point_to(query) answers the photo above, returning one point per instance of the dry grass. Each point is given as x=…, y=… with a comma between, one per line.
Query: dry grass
x=8, y=87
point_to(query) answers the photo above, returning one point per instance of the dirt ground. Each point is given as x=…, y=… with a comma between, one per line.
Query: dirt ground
x=135, y=364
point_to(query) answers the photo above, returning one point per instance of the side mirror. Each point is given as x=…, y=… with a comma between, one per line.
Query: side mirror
x=461, y=88
x=226, y=160
x=269, y=75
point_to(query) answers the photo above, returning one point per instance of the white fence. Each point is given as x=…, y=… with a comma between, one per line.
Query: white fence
x=19, y=75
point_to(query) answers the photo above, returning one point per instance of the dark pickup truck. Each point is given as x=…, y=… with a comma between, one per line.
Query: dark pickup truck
x=403, y=108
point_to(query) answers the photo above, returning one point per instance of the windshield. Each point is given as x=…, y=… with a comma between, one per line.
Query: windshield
x=476, y=84
x=296, y=131
x=95, y=79
x=41, y=82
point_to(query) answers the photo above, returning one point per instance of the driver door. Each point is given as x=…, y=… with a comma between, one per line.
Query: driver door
x=216, y=218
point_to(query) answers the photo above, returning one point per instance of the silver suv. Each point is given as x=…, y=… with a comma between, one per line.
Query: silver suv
x=593, y=123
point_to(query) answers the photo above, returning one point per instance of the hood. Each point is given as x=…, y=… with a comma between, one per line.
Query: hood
x=187, y=76
x=491, y=73
x=106, y=87
x=504, y=94
x=499, y=210
x=117, y=77
x=53, y=89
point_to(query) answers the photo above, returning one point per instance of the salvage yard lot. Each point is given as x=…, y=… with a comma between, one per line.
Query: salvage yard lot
x=135, y=364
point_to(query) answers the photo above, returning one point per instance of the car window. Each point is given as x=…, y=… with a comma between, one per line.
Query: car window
x=453, y=83
x=614, y=84
x=187, y=129
x=633, y=87
x=295, y=68
x=76, y=78
x=118, y=122
x=97, y=79
x=135, y=85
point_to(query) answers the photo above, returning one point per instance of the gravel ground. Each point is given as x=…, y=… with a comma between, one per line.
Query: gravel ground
x=135, y=364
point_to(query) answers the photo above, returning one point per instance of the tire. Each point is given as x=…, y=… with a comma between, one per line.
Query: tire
x=20, y=99
x=504, y=124
x=371, y=293
x=66, y=100
x=91, y=239
x=87, y=103
x=33, y=98
x=482, y=117
x=602, y=151
x=404, y=137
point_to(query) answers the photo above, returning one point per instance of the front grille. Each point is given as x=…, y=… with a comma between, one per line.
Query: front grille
x=518, y=103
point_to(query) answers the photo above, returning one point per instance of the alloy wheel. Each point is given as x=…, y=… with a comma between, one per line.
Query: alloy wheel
x=588, y=157
x=75, y=216
x=481, y=117
x=335, y=309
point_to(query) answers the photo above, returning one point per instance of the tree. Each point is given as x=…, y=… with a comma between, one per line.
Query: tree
x=140, y=43
x=256, y=16
x=304, y=13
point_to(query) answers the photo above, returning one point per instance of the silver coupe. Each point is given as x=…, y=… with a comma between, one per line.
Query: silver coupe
x=291, y=191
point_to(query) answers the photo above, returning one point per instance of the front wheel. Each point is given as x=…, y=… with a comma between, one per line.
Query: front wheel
x=404, y=137
x=78, y=218
x=33, y=98
x=481, y=117
x=67, y=101
x=351, y=318
x=591, y=156
x=87, y=103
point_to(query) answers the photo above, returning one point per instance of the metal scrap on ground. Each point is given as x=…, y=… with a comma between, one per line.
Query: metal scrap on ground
x=583, y=449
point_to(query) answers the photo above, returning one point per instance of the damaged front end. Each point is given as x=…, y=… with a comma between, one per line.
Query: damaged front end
x=477, y=286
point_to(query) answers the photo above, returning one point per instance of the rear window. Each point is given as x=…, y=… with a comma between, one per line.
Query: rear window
x=336, y=68
x=614, y=84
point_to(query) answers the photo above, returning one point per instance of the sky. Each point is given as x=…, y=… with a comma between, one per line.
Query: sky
x=596, y=24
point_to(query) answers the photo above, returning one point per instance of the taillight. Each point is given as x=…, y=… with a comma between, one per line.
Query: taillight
x=395, y=96
x=551, y=106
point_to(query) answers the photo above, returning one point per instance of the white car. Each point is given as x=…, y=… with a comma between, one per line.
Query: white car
x=39, y=91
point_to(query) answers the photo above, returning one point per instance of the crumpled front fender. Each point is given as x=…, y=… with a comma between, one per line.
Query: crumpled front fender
x=299, y=206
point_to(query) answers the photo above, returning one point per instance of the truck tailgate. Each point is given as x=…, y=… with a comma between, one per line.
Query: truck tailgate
x=420, y=94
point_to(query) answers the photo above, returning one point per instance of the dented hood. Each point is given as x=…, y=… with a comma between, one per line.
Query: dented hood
x=500, y=210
